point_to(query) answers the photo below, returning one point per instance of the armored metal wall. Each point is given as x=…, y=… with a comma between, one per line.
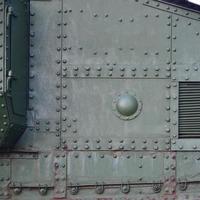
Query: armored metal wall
x=84, y=56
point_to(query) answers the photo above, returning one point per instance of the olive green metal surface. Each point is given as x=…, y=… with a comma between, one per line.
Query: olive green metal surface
x=113, y=106
x=14, y=70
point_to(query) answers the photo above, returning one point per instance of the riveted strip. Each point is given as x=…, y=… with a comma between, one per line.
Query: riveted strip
x=167, y=109
x=115, y=143
x=4, y=172
x=185, y=144
x=113, y=71
x=172, y=8
x=174, y=113
x=5, y=176
x=60, y=172
x=47, y=125
x=2, y=25
x=4, y=119
x=170, y=173
x=186, y=72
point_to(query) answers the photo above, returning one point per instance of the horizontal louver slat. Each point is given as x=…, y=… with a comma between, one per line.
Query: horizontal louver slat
x=189, y=110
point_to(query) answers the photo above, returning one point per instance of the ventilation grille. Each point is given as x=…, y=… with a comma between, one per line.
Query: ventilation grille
x=189, y=110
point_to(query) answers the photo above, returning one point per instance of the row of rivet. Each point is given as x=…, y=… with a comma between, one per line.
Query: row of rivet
x=60, y=171
x=61, y=160
x=186, y=74
x=195, y=147
x=128, y=156
x=4, y=170
x=50, y=126
x=1, y=43
x=167, y=103
x=31, y=63
x=106, y=53
x=145, y=141
x=125, y=72
x=172, y=9
x=120, y=147
x=4, y=121
x=174, y=126
x=174, y=110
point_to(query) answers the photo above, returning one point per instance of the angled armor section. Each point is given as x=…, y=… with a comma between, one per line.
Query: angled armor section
x=14, y=54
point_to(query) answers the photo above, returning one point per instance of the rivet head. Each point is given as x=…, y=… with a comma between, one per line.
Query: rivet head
x=173, y=167
x=194, y=147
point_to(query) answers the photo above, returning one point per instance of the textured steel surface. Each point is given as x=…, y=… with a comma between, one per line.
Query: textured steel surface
x=80, y=143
